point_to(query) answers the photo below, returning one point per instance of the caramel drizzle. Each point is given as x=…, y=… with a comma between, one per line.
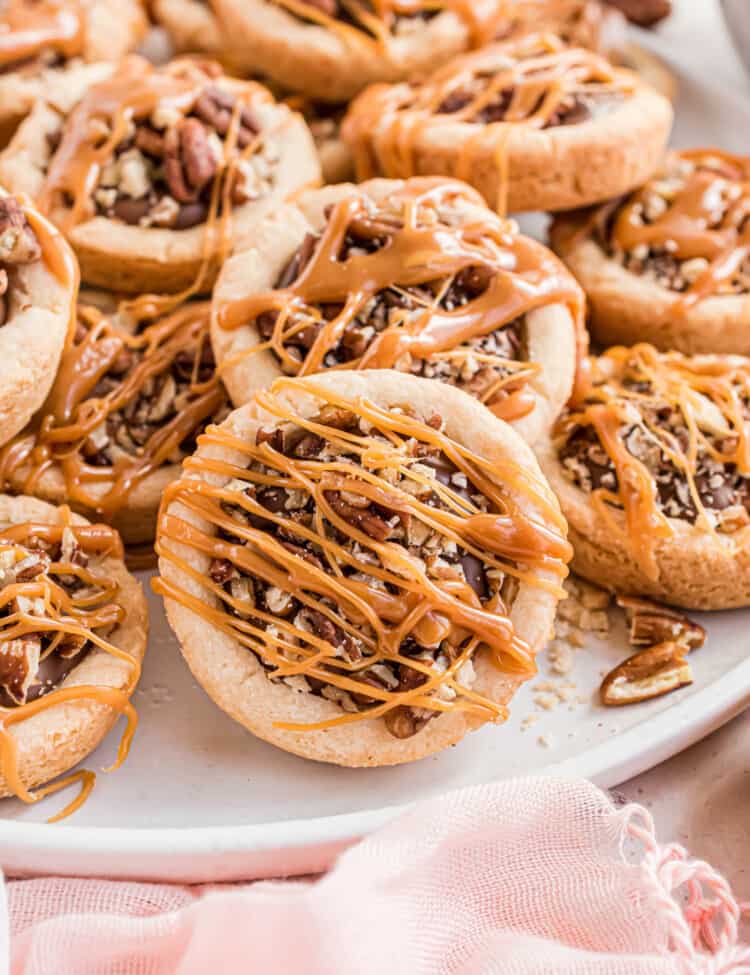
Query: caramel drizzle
x=538, y=70
x=482, y=18
x=528, y=548
x=72, y=413
x=419, y=249
x=73, y=615
x=689, y=227
x=708, y=389
x=28, y=29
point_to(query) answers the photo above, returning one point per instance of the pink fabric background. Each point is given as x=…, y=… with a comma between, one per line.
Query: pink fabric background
x=524, y=877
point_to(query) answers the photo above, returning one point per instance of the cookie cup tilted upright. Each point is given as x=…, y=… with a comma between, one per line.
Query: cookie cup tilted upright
x=361, y=567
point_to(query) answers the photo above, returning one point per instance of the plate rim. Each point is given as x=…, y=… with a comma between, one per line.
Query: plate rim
x=607, y=764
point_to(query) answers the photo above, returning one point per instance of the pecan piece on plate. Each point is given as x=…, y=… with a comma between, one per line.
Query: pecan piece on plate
x=652, y=623
x=647, y=674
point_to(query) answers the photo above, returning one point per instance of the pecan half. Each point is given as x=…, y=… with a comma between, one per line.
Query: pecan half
x=189, y=162
x=652, y=623
x=647, y=674
x=645, y=13
x=215, y=107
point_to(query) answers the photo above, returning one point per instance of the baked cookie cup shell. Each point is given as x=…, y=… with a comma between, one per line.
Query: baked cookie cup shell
x=55, y=739
x=265, y=251
x=40, y=305
x=696, y=569
x=232, y=675
x=522, y=168
x=330, y=64
x=626, y=308
x=129, y=258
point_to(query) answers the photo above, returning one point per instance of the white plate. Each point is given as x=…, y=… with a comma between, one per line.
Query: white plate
x=200, y=799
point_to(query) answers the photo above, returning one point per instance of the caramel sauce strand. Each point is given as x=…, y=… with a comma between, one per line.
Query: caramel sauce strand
x=28, y=29
x=418, y=248
x=72, y=411
x=397, y=600
x=64, y=614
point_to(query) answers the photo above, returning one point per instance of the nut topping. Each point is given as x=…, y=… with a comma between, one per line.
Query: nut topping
x=652, y=623
x=18, y=243
x=647, y=674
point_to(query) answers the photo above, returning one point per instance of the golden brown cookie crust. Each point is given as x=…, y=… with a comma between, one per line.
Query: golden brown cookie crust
x=235, y=680
x=625, y=308
x=54, y=740
x=264, y=252
x=132, y=259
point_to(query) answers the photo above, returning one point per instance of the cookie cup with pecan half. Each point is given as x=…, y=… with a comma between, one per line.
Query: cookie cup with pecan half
x=38, y=286
x=156, y=171
x=668, y=264
x=54, y=49
x=126, y=407
x=73, y=625
x=332, y=50
x=653, y=475
x=532, y=124
x=361, y=567
x=416, y=275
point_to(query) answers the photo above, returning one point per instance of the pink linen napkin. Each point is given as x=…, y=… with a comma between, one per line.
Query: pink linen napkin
x=523, y=877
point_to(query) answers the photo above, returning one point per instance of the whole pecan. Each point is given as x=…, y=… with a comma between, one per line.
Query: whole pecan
x=215, y=107
x=189, y=162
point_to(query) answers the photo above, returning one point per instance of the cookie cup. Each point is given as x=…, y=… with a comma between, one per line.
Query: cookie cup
x=130, y=258
x=262, y=255
x=55, y=739
x=235, y=679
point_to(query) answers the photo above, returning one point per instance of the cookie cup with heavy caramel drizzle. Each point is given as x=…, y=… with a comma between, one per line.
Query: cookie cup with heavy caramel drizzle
x=38, y=286
x=74, y=626
x=156, y=170
x=124, y=411
x=54, y=49
x=670, y=263
x=644, y=516
x=531, y=124
x=416, y=275
x=388, y=633
x=331, y=50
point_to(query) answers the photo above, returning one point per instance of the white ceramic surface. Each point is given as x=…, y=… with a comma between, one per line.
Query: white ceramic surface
x=200, y=799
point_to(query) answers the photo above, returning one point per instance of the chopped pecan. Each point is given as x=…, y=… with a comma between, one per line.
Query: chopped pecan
x=18, y=243
x=647, y=674
x=34, y=564
x=19, y=662
x=363, y=518
x=189, y=162
x=222, y=571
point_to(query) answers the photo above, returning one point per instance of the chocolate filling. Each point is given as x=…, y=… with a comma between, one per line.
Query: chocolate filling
x=573, y=110
x=443, y=558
